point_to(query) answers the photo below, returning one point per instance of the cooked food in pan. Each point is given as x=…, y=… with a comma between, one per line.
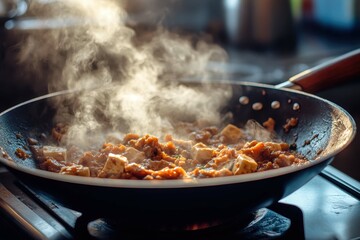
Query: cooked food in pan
x=207, y=152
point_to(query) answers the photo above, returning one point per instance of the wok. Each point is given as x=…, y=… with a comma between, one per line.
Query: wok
x=324, y=129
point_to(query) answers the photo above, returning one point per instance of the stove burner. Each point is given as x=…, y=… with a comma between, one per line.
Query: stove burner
x=263, y=224
x=279, y=221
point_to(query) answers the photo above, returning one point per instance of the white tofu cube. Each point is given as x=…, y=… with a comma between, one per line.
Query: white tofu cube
x=57, y=153
x=134, y=155
x=232, y=133
x=244, y=164
x=114, y=166
x=183, y=144
x=201, y=152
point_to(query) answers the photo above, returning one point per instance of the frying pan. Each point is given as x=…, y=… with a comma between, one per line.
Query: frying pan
x=324, y=129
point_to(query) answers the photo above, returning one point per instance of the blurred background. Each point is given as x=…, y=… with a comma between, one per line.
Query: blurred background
x=267, y=41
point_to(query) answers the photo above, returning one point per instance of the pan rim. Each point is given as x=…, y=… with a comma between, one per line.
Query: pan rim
x=161, y=184
x=182, y=183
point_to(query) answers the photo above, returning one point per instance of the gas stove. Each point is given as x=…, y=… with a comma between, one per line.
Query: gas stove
x=327, y=207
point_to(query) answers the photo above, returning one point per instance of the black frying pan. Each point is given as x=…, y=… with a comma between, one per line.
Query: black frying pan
x=324, y=129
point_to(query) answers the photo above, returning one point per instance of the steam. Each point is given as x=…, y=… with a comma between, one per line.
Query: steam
x=131, y=76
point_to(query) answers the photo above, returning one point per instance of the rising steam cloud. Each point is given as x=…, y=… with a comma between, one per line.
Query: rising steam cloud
x=139, y=70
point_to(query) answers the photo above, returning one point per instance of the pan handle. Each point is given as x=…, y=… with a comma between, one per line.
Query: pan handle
x=326, y=74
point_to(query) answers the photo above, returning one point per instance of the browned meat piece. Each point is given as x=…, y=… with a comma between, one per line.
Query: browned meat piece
x=51, y=165
x=270, y=155
x=141, y=172
x=20, y=153
x=37, y=153
x=201, y=136
x=137, y=170
x=76, y=170
x=19, y=135
x=267, y=166
x=59, y=131
x=263, y=151
x=286, y=159
x=269, y=124
x=170, y=173
x=169, y=148
x=32, y=141
x=224, y=159
x=210, y=173
x=95, y=162
x=204, y=135
x=111, y=148
x=254, y=150
x=157, y=165
x=130, y=136
x=290, y=123
x=150, y=146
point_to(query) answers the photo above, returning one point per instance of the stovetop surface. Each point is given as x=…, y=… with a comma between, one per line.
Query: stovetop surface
x=327, y=207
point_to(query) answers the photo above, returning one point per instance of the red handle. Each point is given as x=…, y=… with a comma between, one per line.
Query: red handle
x=326, y=74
